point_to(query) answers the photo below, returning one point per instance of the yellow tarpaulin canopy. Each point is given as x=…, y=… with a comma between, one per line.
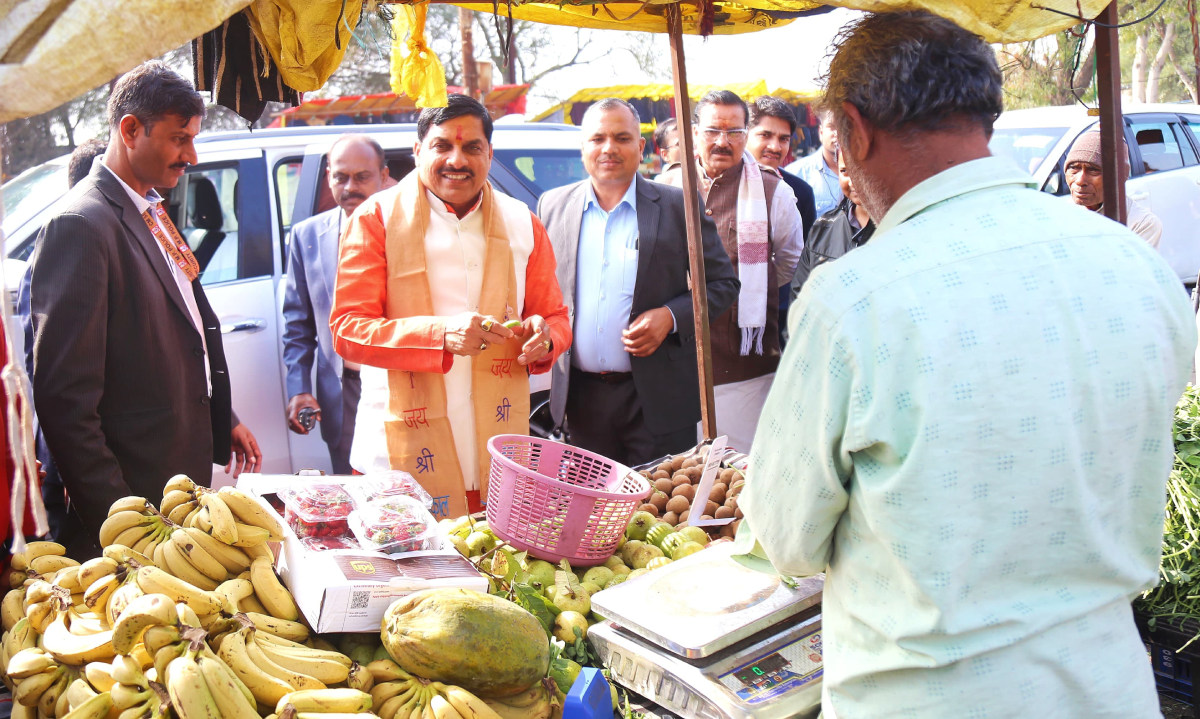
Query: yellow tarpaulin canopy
x=994, y=20
x=663, y=91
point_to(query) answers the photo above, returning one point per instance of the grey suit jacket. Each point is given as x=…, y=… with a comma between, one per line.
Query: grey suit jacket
x=118, y=365
x=667, y=381
x=307, y=302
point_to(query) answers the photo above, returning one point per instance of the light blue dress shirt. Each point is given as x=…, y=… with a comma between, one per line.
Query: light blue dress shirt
x=605, y=275
x=970, y=433
x=821, y=178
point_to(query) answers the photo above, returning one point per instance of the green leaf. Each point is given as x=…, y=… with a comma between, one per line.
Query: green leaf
x=534, y=602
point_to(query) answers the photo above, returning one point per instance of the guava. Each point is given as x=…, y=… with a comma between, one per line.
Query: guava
x=658, y=563
x=541, y=573
x=695, y=534
x=686, y=549
x=645, y=554
x=658, y=533
x=639, y=525
x=478, y=543
x=598, y=576
x=590, y=587
x=618, y=579
x=570, y=595
x=618, y=572
x=614, y=561
x=460, y=544
x=565, y=623
x=630, y=547
x=636, y=573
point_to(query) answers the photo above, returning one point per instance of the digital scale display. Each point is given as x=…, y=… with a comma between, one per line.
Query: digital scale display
x=762, y=670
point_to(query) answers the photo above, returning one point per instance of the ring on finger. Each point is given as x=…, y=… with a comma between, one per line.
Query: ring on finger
x=483, y=346
x=546, y=344
x=487, y=324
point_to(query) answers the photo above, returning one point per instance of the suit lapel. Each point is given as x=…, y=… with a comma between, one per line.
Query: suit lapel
x=647, y=214
x=573, y=218
x=136, y=227
x=326, y=255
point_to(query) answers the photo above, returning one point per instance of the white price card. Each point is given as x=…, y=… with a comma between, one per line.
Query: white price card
x=711, y=467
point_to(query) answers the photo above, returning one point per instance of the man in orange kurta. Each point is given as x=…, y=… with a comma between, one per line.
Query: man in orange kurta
x=430, y=273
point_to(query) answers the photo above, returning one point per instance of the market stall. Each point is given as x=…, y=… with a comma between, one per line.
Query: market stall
x=383, y=107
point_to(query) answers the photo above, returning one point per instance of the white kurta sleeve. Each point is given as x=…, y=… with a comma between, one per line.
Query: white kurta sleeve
x=787, y=234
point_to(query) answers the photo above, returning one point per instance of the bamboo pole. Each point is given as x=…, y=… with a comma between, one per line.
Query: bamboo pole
x=691, y=202
x=1114, y=161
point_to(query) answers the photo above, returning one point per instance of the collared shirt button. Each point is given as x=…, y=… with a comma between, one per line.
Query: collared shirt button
x=708, y=212
x=198, y=351
x=204, y=401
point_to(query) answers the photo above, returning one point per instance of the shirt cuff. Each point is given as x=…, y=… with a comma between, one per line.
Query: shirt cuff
x=674, y=324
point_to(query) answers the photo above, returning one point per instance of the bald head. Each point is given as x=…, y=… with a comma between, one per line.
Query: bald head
x=357, y=170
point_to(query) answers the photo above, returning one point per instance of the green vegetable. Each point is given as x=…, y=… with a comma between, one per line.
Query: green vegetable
x=512, y=324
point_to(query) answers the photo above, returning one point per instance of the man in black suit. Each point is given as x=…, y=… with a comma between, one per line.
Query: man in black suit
x=129, y=375
x=628, y=387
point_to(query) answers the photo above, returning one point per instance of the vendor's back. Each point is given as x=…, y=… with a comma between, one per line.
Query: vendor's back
x=980, y=400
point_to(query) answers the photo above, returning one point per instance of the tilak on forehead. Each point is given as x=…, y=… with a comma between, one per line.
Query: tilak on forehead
x=458, y=133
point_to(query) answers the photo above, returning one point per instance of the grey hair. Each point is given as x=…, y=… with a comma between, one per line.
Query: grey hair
x=610, y=103
x=720, y=97
x=911, y=72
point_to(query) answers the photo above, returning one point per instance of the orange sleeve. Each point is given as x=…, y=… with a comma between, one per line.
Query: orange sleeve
x=544, y=297
x=361, y=331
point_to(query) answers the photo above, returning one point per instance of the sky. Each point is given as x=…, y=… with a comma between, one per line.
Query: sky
x=789, y=57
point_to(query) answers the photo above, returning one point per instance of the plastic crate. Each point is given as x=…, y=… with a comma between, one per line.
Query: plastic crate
x=1172, y=669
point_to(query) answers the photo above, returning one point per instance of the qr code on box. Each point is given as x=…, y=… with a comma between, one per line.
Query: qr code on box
x=360, y=600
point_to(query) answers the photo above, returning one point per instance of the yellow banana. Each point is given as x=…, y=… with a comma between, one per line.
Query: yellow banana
x=233, y=592
x=232, y=558
x=164, y=657
x=37, y=591
x=283, y=628
x=148, y=543
x=78, y=692
x=198, y=556
x=99, y=675
x=117, y=525
x=251, y=604
x=94, y=569
x=98, y=595
x=180, y=482
x=266, y=689
x=297, y=680
x=327, y=701
x=50, y=563
x=179, y=565
x=442, y=709
x=255, y=551
x=248, y=510
x=69, y=648
x=134, y=535
x=224, y=526
x=131, y=504
x=83, y=622
x=273, y=595
x=173, y=499
x=49, y=698
x=189, y=692
x=33, y=550
x=17, y=579
x=125, y=696
x=126, y=670
x=152, y=580
x=122, y=554
x=29, y=662
x=187, y=615
x=390, y=708
x=381, y=693
x=121, y=598
x=179, y=515
x=360, y=678
x=30, y=689
x=68, y=579
x=329, y=667
x=21, y=636
x=41, y=614
x=251, y=536
x=12, y=608
x=386, y=670
x=158, y=637
x=97, y=707
x=232, y=698
x=146, y=611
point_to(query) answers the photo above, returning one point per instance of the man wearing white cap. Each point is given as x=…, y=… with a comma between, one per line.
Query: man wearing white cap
x=1086, y=180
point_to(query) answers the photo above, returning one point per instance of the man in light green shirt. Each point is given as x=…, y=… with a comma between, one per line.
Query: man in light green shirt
x=970, y=431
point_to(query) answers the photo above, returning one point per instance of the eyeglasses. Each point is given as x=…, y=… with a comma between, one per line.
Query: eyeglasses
x=712, y=134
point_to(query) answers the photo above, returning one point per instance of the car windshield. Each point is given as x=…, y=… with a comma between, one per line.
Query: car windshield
x=543, y=170
x=1028, y=147
x=30, y=192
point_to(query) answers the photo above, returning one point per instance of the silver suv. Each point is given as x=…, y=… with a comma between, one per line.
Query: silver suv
x=264, y=182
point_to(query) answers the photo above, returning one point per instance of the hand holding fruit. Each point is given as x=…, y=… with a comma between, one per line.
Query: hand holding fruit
x=539, y=343
x=465, y=334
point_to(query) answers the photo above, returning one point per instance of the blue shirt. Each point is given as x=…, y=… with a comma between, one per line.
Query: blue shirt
x=970, y=433
x=821, y=178
x=605, y=275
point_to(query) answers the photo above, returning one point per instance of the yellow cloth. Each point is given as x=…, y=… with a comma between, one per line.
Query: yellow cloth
x=48, y=56
x=417, y=73
x=303, y=37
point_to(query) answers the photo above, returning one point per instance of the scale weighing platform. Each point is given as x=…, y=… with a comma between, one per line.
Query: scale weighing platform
x=708, y=638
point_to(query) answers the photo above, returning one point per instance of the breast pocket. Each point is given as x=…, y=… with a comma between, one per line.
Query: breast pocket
x=629, y=272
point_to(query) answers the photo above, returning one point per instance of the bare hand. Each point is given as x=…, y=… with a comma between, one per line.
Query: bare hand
x=538, y=344
x=466, y=336
x=297, y=403
x=648, y=331
x=247, y=457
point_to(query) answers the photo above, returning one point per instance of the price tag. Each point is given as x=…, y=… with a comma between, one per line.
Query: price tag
x=715, y=452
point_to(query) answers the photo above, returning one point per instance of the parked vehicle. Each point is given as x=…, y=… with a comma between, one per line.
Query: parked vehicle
x=1164, y=146
x=235, y=207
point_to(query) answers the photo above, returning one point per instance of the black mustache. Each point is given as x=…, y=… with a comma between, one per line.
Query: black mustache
x=351, y=196
x=721, y=151
x=181, y=165
x=453, y=170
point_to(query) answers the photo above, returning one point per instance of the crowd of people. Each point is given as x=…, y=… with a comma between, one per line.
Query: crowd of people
x=956, y=391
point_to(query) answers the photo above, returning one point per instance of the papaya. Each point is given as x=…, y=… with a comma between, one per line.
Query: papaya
x=487, y=645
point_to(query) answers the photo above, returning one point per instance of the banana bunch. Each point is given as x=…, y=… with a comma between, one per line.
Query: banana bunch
x=201, y=686
x=308, y=704
x=21, y=637
x=400, y=695
x=134, y=522
x=273, y=667
x=134, y=696
x=83, y=699
x=23, y=564
x=229, y=515
x=40, y=679
x=106, y=582
x=537, y=702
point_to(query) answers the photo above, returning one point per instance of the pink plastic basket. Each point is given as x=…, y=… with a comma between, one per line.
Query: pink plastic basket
x=559, y=502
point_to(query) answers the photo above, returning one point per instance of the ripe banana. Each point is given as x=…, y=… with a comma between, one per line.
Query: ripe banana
x=180, y=482
x=251, y=604
x=325, y=667
x=30, y=689
x=146, y=611
x=50, y=563
x=17, y=579
x=29, y=662
x=68, y=579
x=189, y=693
x=327, y=701
x=283, y=628
x=391, y=708
x=131, y=504
x=126, y=696
x=187, y=615
x=12, y=608
x=79, y=692
x=134, y=535
x=265, y=688
x=117, y=525
x=360, y=678
x=158, y=637
x=251, y=536
x=179, y=515
x=165, y=656
x=69, y=648
x=232, y=558
x=442, y=709
x=127, y=671
x=49, y=699
x=173, y=499
x=83, y=622
x=297, y=680
x=248, y=510
x=255, y=551
x=121, y=598
x=94, y=569
x=40, y=615
x=386, y=670
x=224, y=526
x=124, y=555
x=273, y=595
x=152, y=580
x=185, y=570
x=232, y=697
x=100, y=593
x=33, y=550
x=198, y=556
x=99, y=675
x=232, y=592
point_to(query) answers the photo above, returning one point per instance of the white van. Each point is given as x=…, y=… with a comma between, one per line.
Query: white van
x=266, y=181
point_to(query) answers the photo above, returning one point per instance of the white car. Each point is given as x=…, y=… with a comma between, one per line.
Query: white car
x=1164, y=147
x=265, y=181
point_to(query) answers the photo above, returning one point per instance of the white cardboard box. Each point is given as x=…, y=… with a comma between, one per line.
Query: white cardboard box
x=344, y=590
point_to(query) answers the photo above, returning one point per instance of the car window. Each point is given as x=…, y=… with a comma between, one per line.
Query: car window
x=1158, y=146
x=1028, y=147
x=542, y=170
x=1181, y=135
x=32, y=191
x=287, y=181
x=205, y=208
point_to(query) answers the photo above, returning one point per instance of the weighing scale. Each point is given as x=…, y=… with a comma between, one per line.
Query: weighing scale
x=708, y=638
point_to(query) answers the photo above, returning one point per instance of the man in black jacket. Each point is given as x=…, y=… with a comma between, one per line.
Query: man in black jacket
x=772, y=126
x=628, y=386
x=837, y=232
x=129, y=375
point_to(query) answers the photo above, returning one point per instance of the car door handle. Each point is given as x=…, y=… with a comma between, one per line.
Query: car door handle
x=252, y=325
x=1138, y=195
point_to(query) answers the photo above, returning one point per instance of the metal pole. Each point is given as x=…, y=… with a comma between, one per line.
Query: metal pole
x=469, y=71
x=691, y=202
x=1114, y=160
